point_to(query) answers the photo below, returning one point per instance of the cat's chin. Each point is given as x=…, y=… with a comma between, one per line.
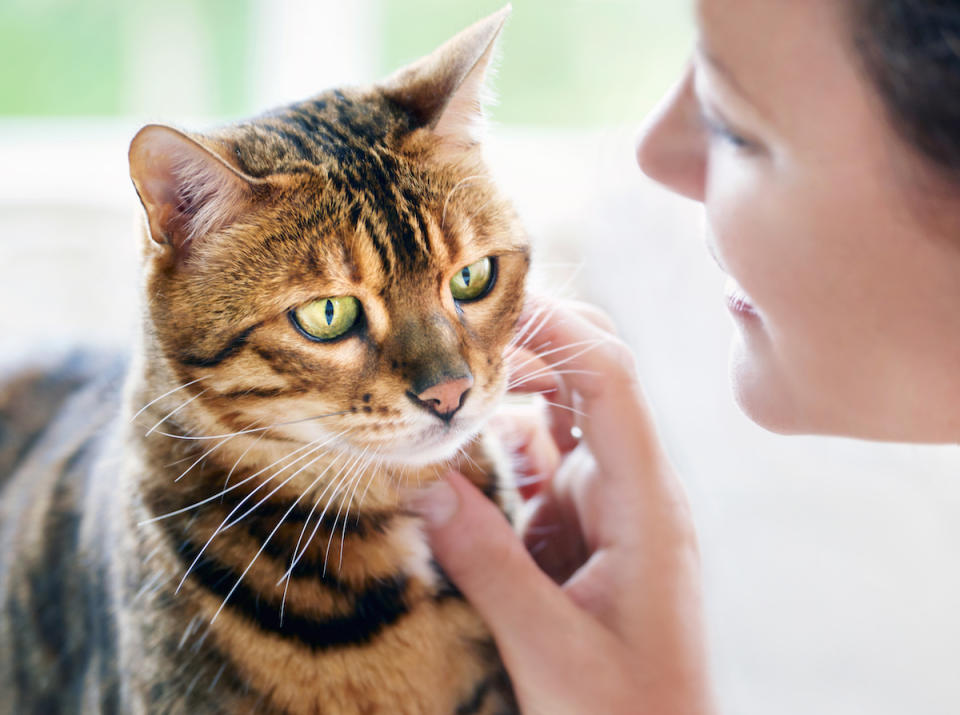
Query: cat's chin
x=433, y=447
x=422, y=456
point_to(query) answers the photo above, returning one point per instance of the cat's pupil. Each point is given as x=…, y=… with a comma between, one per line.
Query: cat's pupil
x=465, y=274
x=328, y=312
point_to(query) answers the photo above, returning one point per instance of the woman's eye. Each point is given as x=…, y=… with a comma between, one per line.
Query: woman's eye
x=474, y=281
x=327, y=318
x=721, y=131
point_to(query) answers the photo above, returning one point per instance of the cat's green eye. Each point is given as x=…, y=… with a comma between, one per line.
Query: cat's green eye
x=474, y=281
x=327, y=318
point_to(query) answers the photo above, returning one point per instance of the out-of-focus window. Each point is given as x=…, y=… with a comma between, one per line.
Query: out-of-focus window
x=566, y=63
x=119, y=57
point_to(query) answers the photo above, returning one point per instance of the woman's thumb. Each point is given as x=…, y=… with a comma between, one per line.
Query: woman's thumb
x=488, y=562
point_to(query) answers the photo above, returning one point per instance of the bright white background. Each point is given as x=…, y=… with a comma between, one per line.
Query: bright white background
x=830, y=566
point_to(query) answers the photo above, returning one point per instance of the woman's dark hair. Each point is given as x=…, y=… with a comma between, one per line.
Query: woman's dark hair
x=911, y=51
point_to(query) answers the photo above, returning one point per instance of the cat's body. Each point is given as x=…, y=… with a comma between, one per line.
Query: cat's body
x=222, y=530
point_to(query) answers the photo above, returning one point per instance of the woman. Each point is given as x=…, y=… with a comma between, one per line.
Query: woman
x=823, y=138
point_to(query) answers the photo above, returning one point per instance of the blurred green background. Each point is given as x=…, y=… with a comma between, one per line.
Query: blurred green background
x=565, y=63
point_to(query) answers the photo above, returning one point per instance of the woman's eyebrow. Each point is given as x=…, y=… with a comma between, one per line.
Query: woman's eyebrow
x=722, y=69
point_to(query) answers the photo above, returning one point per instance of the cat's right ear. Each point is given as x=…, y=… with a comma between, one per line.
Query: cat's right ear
x=186, y=190
x=444, y=91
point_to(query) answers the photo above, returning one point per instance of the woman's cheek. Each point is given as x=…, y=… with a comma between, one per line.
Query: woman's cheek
x=757, y=234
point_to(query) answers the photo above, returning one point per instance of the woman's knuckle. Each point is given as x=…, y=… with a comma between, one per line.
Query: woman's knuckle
x=620, y=356
x=599, y=317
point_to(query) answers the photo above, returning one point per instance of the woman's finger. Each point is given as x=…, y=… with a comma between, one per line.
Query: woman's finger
x=480, y=552
x=592, y=363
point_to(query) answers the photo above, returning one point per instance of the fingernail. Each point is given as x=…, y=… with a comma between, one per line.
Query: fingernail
x=436, y=505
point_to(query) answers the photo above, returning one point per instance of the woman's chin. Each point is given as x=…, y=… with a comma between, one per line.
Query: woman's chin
x=759, y=393
x=762, y=390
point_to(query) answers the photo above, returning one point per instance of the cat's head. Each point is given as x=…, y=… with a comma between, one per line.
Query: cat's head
x=342, y=268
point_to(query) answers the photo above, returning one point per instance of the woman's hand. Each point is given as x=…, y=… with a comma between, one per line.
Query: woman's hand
x=603, y=613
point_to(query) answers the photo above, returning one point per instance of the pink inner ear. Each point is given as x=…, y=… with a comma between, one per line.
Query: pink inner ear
x=209, y=196
x=187, y=191
x=462, y=120
x=446, y=90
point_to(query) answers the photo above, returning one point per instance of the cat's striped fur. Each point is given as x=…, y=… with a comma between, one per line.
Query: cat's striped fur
x=149, y=522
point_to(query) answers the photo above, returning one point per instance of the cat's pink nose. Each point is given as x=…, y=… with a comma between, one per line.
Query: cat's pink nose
x=445, y=398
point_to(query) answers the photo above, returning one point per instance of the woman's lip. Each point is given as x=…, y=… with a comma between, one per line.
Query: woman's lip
x=737, y=299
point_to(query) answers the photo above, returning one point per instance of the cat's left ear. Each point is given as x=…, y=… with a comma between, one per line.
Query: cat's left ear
x=445, y=89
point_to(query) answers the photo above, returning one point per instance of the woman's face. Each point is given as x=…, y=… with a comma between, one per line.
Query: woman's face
x=845, y=280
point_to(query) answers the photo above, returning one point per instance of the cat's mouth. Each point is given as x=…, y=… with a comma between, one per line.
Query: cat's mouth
x=424, y=442
x=436, y=443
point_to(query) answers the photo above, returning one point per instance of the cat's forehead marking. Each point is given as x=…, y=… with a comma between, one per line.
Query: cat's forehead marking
x=349, y=141
x=345, y=149
x=330, y=130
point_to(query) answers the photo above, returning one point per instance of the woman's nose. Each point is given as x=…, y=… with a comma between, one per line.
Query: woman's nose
x=671, y=146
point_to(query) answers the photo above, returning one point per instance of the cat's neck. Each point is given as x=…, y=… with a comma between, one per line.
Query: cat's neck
x=274, y=513
x=305, y=549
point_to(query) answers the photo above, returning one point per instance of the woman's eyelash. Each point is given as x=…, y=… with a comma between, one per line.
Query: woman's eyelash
x=720, y=130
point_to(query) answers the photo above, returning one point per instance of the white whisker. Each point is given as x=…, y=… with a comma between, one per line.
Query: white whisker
x=462, y=182
x=333, y=529
x=174, y=411
x=513, y=384
x=346, y=516
x=240, y=459
x=476, y=212
x=179, y=461
x=270, y=535
x=225, y=525
x=591, y=344
x=203, y=456
x=572, y=410
x=258, y=429
x=235, y=486
x=530, y=480
x=165, y=394
x=297, y=551
x=375, y=471
x=285, y=579
x=542, y=315
x=286, y=481
x=534, y=324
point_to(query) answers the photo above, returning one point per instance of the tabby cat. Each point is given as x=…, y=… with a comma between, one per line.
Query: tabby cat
x=329, y=291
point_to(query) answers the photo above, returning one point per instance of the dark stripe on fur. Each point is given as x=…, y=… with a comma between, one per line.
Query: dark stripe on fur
x=364, y=167
x=286, y=362
x=231, y=349
x=490, y=489
x=61, y=530
x=363, y=524
x=472, y=705
x=446, y=588
x=374, y=609
x=357, y=218
x=313, y=565
x=497, y=684
x=265, y=393
x=299, y=141
x=264, y=518
x=65, y=636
